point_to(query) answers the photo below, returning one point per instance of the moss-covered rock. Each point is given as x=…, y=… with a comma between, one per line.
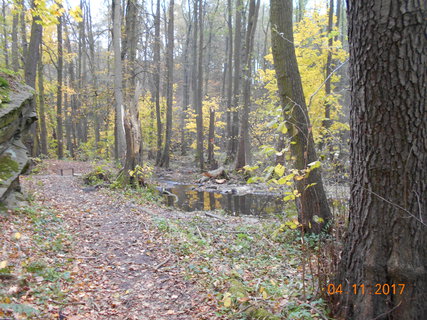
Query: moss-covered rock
x=8, y=167
x=4, y=90
x=16, y=116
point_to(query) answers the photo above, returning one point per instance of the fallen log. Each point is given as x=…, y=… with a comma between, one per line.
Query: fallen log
x=217, y=173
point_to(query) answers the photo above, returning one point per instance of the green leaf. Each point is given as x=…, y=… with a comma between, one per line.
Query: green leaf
x=318, y=219
x=314, y=165
x=289, y=197
x=279, y=170
x=310, y=185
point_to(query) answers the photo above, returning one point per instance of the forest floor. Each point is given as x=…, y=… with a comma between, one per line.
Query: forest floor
x=79, y=253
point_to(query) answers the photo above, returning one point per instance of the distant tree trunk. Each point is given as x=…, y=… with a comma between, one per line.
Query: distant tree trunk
x=81, y=124
x=185, y=90
x=59, y=116
x=229, y=76
x=313, y=199
x=301, y=4
x=73, y=103
x=33, y=55
x=23, y=32
x=328, y=122
x=338, y=14
x=94, y=78
x=208, y=59
x=68, y=121
x=198, y=78
x=157, y=82
x=244, y=146
x=232, y=149
x=42, y=113
x=169, y=85
x=387, y=234
x=211, y=140
x=118, y=80
x=15, y=52
x=5, y=36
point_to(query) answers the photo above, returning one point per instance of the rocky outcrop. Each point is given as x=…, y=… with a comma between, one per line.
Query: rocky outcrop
x=16, y=118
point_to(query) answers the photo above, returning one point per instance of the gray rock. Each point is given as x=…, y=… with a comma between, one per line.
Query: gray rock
x=16, y=118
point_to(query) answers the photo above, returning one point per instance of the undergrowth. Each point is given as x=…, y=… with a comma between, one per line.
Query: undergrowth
x=253, y=270
x=33, y=267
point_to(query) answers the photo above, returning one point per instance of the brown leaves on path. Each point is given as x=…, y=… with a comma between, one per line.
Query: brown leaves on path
x=122, y=268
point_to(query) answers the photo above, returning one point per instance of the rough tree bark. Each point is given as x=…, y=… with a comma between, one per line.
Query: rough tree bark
x=387, y=236
x=131, y=122
x=313, y=199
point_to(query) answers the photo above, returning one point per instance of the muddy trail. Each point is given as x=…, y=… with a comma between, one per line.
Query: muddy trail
x=122, y=267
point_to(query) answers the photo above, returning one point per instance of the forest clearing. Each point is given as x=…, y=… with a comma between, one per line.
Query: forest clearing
x=207, y=159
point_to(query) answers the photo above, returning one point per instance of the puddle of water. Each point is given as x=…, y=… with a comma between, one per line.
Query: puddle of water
x=188, y=200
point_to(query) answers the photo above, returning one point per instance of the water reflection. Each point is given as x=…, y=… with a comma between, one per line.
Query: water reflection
x=248, y=204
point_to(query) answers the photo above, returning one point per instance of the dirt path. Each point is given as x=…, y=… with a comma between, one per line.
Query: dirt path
x=122, y=266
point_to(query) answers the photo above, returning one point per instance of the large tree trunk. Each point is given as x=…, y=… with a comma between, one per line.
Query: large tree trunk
x=33, y=55
x=30, y=71
x=132, y=121
x=312, y=200
x=118, y=80
x=387, y=236
x=169, y=87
